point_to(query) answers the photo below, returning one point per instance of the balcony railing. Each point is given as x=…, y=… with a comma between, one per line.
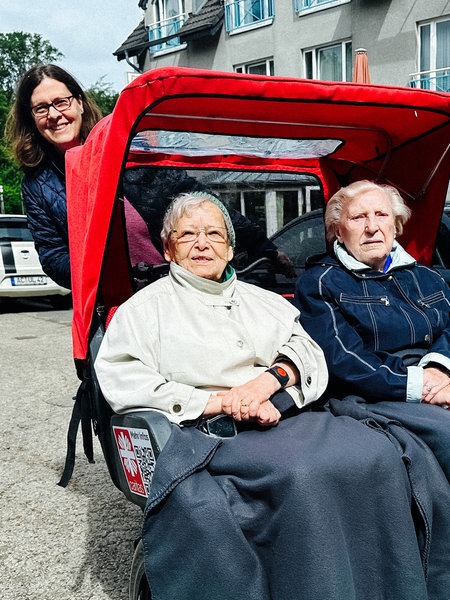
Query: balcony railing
x=166, y=29
x=301, y=5
x=245, y=13
x=437, y=80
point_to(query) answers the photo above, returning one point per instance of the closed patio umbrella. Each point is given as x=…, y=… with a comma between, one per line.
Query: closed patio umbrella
x=361, y=67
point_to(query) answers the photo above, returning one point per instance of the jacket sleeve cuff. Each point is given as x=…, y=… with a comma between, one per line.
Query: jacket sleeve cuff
x=414, y=385
x=185, y=406
x=283, y=401
x=435, y=357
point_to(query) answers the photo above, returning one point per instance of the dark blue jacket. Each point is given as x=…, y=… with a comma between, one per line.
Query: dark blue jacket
x=362, y=320
x=44, y=195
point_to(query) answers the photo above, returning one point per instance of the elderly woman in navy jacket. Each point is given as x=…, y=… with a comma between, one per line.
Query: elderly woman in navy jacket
x=381, y=318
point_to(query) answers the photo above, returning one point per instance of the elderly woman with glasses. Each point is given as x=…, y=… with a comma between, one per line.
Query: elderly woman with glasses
x=50, y=115
x=288, y=502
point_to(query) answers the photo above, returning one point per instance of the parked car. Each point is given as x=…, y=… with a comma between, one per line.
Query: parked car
x=298, y=239
x=21, y=274
x=305, y=236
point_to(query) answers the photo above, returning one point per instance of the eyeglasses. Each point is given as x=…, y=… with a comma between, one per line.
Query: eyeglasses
x=60, y=104
x=216, y=235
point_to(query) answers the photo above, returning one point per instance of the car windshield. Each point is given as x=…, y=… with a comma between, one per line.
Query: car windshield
x=14, y=231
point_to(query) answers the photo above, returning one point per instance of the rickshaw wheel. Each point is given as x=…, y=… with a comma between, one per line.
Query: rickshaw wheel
x=138, y=588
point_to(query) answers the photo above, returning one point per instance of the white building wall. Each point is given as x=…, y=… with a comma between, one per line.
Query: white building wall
x=386, y=28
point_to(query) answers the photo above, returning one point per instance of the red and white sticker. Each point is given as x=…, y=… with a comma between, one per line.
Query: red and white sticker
x=137, y=456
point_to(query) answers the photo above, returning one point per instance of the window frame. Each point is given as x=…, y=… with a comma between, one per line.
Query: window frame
x=235, y=8
x=267, y=62
x=428, y=75
x=316, y=5
x=314, y=67
x=161, y=24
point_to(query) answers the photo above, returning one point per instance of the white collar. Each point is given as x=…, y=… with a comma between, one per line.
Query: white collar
x=400, y=258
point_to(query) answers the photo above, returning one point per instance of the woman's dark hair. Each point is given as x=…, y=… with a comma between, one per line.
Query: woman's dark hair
x=27, y=144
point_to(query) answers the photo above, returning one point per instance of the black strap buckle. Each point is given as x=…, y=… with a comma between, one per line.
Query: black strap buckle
x=222, y=426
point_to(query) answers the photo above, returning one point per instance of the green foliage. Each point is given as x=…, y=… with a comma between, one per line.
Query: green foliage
x=19, y=52
x=10, y=179
x=10, y=174
x=4, y=108
x=103, y=94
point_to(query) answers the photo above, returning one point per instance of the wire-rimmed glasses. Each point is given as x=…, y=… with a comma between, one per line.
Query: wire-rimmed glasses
x=216, y=235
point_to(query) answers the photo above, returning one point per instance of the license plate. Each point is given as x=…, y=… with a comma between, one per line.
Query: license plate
x=29, y=280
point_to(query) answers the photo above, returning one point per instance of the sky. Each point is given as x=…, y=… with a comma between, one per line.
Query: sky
x=87, y=32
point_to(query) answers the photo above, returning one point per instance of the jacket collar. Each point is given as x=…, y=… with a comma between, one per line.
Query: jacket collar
x=341, y=258
x=399, y=256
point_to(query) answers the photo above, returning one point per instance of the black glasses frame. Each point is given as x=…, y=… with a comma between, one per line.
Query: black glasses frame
x=41, y=110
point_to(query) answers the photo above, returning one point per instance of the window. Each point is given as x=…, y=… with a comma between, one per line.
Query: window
x=331, y=63
x=246, y=14
x=264, y=67
x=434, y=57
x=302, y=6
x=169, y=16
x=14, y=230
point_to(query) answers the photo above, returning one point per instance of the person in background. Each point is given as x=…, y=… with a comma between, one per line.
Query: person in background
x=290, y=501
x=50, y=115
x=151, y=190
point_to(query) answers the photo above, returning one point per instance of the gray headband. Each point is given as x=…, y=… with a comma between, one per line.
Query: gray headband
x=226, y=214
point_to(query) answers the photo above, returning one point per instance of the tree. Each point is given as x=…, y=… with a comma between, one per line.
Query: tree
x=19, y=52
x=102, y=93
x=10, y=174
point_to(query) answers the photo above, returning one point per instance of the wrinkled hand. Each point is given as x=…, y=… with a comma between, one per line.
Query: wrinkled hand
x=284, y=265
x=250, y=401
x=436, y=387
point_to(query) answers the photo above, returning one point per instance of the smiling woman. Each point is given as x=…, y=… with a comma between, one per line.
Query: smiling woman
x=58, y=115
x=199, y=240
x=51, y=114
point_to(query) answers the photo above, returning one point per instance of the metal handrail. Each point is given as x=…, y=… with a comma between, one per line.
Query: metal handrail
x=433, y=79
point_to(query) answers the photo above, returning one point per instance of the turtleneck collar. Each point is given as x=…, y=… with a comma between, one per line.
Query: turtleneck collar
x=189, y=280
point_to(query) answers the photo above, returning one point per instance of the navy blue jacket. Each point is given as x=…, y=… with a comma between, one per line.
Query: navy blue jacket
x=362, y=320
x=44, y=195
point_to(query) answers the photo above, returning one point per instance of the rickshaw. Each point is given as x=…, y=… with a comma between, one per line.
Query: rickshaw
x=247, y=137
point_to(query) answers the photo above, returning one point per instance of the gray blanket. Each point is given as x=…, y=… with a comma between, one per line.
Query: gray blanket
x=322, y=507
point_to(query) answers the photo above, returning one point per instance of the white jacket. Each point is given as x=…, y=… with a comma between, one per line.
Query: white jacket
x=177, y=340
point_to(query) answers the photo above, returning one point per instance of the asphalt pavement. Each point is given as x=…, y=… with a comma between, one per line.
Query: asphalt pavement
x=73, y=543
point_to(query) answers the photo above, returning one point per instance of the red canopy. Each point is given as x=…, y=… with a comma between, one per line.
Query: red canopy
x=395, y=135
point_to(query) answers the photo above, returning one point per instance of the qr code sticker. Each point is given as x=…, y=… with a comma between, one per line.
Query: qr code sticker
x=146, y=460
x=137, y=457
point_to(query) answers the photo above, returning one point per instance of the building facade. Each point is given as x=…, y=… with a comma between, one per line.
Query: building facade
x=407, y=43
